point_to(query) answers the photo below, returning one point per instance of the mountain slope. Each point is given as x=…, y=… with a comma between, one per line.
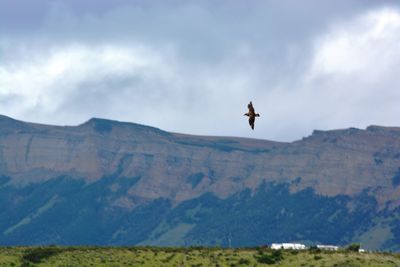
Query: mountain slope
x=109, y=182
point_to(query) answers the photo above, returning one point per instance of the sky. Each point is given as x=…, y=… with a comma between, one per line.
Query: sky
x=193, y=66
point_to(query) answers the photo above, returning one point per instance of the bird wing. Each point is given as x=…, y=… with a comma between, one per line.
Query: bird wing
x=251, y=121
x=251, y=108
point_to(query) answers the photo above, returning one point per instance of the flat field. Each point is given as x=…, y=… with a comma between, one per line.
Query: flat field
x=193, y=256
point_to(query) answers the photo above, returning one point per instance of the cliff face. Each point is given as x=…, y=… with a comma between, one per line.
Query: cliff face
x=135, y=166
x=181, y=167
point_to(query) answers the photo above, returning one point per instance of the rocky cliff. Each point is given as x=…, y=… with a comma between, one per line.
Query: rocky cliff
x=109, y=182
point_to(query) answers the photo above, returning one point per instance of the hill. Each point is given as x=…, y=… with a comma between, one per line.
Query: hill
x=114, y=183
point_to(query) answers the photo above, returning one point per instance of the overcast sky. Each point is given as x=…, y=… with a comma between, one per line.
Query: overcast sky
x=192, y=66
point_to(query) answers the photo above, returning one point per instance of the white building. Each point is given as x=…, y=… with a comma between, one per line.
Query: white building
x=288, y=246
x=327, y=247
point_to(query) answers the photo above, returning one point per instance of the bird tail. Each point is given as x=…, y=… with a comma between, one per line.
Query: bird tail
x=257, y=115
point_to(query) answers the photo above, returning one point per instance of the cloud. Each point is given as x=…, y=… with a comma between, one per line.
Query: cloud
x=370, y=41
x=115, y=81
x=60, y=76
x=350, y=79
x=354, y=70
x=193, y=67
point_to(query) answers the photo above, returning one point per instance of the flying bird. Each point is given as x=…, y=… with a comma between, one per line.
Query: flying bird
x=251, y=114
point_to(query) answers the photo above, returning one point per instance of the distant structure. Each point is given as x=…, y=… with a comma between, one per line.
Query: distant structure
x=327, y=247
x=288, y=246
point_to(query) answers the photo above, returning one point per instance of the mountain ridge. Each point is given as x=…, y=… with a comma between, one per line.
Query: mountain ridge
x=97, y=130
x=171, y=183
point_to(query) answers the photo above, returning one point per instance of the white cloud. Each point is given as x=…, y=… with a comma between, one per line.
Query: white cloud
x=42, y=83
x=195, y=74
x=354, y=70
x=68, y=84
x=369, y=43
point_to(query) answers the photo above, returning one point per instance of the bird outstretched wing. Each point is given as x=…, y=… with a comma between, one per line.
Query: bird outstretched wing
x=251, y=108
x=251, y=121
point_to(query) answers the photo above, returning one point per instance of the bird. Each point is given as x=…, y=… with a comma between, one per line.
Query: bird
x=251, y=114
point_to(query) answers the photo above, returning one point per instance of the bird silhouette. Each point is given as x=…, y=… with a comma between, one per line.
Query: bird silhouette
x=251, y=114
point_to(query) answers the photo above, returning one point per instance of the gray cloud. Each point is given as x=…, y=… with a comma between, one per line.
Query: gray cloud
x=190, y=66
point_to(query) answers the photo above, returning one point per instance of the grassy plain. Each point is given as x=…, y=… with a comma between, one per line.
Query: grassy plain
x=198, y=256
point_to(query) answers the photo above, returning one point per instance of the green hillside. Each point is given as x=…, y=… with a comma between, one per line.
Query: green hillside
x=152, y=256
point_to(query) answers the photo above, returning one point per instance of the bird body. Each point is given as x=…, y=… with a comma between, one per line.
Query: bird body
x=252, y=115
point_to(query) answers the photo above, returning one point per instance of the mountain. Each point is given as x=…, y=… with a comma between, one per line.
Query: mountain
x=114, y=183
